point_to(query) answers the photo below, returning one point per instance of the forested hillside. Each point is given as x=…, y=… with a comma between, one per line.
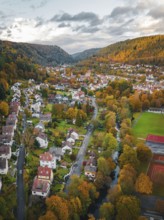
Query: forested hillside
x=85, y=54
x=148, y=50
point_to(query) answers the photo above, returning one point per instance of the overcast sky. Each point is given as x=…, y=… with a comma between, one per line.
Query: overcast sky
x=76, y=25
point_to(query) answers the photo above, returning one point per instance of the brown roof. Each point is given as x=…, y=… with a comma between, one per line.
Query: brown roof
x=4, y=149
x=155, y=139
x=5, y=138
x=7, y=129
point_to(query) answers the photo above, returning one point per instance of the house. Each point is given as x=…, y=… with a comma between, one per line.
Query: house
x=3, y=166
x=155, y=143
x=36, y=107
x=5, y=152
x=47, y=159
x=74, y=135
x=67, y=146
x=90, y=171
x=46, y=117
x=12, y=120
x=71, y=140
x=8, y=130
x=40, y=126
x=57, y=152
x=40, y=187
x=42, y=139
x=45, y=173
x=6, y=140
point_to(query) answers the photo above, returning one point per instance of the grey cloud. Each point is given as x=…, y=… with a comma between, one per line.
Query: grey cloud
x=121, y=11
x=157, y=12
x=85, y=29
x=90, y=17
x=62, y=25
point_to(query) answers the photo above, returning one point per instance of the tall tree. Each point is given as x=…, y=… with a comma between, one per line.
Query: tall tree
x=144, y=184
x=106, y=211
x=144, y=153
x=127, y=208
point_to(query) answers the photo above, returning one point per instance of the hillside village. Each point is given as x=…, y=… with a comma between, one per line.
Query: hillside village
x=54, y=118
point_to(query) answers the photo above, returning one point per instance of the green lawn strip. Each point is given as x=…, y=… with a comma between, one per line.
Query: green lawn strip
x=149, y=123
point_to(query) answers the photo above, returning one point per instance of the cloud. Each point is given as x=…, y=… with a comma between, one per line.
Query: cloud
x=121, y=11
x=157, y=12
x=40, y=5
x=89, y=17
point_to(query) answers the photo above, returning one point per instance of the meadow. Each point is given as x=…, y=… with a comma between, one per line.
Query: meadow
x=148, y=123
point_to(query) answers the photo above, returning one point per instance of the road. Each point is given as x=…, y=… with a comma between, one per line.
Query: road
x=20, y=184
x=77, y=166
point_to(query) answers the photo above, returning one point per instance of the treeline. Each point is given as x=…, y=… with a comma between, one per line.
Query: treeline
x=144, y=50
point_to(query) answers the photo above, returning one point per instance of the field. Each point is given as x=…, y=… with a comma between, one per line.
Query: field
x=148, y=123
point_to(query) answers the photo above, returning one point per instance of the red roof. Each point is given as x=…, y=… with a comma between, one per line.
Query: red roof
x=40, y=185
x=155, y=139
x=44, y=171
x=46, y=156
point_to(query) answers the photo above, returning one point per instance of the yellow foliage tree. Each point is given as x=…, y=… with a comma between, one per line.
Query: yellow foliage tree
x=144, y=184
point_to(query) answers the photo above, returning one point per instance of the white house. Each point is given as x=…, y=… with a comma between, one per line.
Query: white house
x=71, y=140
x=3, y=166
x=42, y=139
x=40, y=187
x=67, y=146
x=74, y=135
x=47, y=159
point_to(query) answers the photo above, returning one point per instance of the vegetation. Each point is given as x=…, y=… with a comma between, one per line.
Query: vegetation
x=148, y=123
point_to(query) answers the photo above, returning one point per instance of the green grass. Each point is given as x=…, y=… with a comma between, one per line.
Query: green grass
x=48, y=108
x=149, y=123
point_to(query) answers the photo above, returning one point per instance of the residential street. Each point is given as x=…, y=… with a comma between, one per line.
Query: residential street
x=77, y=166
x=20, y=184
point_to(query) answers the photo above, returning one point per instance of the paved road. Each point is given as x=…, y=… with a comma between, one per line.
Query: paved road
x=20, y=184
x=77, y=166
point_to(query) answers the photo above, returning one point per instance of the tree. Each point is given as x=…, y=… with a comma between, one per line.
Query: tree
x=144, y=184
x=28, y=138
x=48, y=216
x=129, y=156
x=4, y=108
x=79, y=120
x=127, y=178
x=109, y=143
x=106, y=211
x=105, y=165
x=75, y=208
x=58, y=206
x=114, y=193
x=144, y=153
x=2, y=92
x=127, y=207
x=71, y=113
x=85, y=191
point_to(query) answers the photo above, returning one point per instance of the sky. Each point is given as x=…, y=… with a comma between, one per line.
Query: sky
x=77, y=25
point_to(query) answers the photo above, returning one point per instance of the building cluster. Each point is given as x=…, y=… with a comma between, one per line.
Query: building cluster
x=7, y=136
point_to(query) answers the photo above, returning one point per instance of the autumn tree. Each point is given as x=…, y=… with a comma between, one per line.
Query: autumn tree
x=144, y=184
x=114, y=193
x=85, y=191
x=129, y=156
x=144, y=153
x=106, y=211
x=58, y=111
x=75, y=208
x=127, y=178
x=58, y=206
x=48, y=216
x=127, y=207
x=4, y=108
x=109, y=144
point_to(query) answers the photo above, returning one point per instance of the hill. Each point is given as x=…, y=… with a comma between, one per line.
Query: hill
x=148, y=50
x=85, y=54
x=41, y=54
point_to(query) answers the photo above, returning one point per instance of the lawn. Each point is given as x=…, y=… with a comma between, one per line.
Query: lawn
x=148, y=123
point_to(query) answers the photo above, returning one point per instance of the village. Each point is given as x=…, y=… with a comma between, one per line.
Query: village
x=57, y=116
